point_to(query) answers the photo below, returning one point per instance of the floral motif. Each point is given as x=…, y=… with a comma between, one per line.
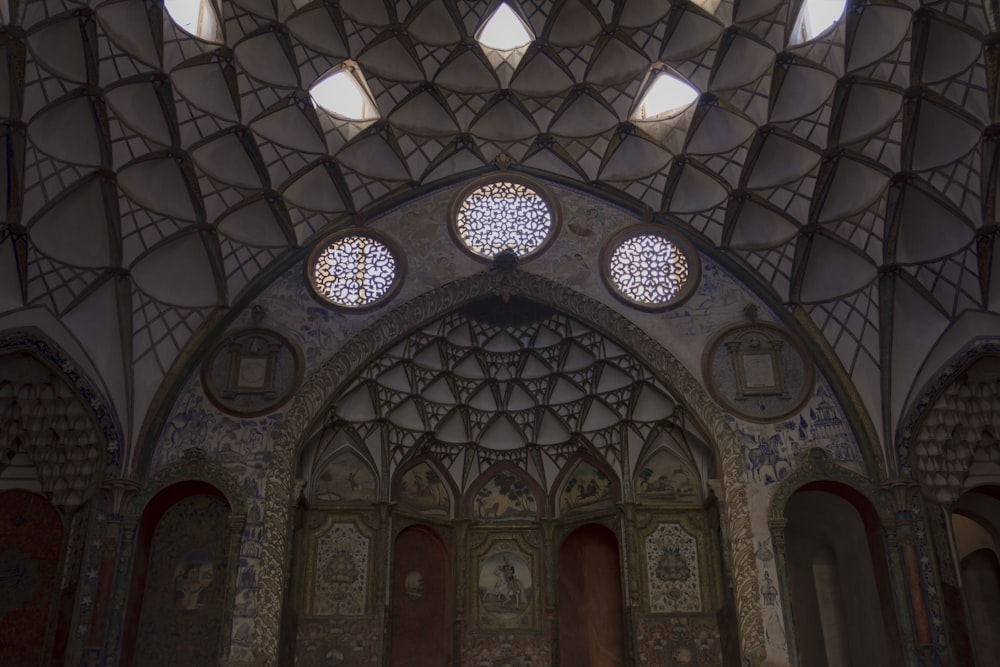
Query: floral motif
x=674, y=579
x=354, y=271
x=342, y=566
x=503, y=216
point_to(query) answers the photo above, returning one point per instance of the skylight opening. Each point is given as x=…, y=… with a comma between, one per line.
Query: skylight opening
x=815, y=18
x=198, y=18
x=504, y=30
x=668, y=95
x=343, y=93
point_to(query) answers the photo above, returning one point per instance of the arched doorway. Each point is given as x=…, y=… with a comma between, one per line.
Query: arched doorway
x=975, y=524
x=51, y=453
x=591, y=623
x=420, y=621
x=29, y=563
x=181, y=579
x=837, y=571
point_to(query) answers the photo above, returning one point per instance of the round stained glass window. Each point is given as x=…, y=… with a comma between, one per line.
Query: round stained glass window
x=507, y=214
x=354, y=269
x=648, y=269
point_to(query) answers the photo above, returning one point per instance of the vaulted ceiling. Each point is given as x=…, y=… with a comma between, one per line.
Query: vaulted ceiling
x=152, y=179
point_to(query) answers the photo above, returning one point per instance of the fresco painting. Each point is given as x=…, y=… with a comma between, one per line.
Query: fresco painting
x=422, y=489
x=505, y=585
x=182, y=608
x=587, y=488
x=345, y=478
x=664, y=479
x=505, y=497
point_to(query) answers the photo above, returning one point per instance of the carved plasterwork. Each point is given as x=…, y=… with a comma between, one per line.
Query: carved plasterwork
x=817, y=467
x=958, y=443
x=333, y=376
x=194, y=465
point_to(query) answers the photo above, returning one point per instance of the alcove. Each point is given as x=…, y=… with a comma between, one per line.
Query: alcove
x=420, y=617
x=32, y=537
x=838, y=576
x=590, y=599
x=180, y=577
x=976, y=526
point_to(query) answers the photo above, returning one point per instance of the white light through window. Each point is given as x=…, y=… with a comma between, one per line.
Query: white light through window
x=195, y=17
x=341, y=94
x=503, y=215
x=504, y=30
x=665, y=96
x=650, y=270
x=815, y=18
x=354, y=271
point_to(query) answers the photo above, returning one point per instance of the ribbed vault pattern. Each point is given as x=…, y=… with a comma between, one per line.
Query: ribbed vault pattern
x=475, y=390
x=150, y=176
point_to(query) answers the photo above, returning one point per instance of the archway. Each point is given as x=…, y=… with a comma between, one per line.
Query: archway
x=420, y=603
x=54, y=430
x=489, y=425
x=308, y=410
x=181, y=578
x=837, y=571
x=975, y=523
x=29, y=560
x=591, y=623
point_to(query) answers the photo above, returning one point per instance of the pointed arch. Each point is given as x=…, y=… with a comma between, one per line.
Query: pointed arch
x=308, y=407
x=504, y=492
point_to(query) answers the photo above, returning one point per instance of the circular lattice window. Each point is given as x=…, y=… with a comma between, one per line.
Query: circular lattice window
x=355, y=269
x=648, y=268
x=504, y=214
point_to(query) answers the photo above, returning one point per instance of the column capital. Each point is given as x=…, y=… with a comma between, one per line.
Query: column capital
x=900, y=496
x=117, y=492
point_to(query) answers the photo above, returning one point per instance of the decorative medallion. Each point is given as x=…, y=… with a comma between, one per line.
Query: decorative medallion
x=509, y=213
x=252, y=372
x=759, y=372
x=647, y=267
